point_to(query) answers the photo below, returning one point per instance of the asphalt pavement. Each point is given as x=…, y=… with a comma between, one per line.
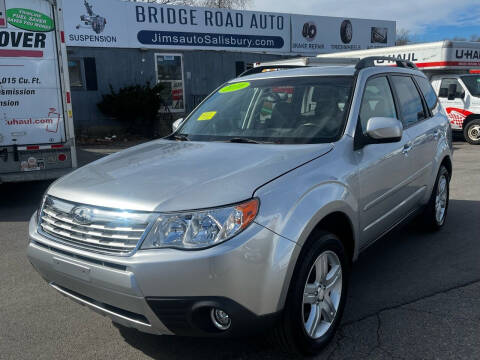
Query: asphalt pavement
x=412, y=295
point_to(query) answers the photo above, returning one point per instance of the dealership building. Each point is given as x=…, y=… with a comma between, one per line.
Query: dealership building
x=190, y=50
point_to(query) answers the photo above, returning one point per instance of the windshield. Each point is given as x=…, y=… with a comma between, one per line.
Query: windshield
x=281, y=110
x=472, y=82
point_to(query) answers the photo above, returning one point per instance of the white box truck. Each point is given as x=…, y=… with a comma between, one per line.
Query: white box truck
x=453, y=67
x=37, y=139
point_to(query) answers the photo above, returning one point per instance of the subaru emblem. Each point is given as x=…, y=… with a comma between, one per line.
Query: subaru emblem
x=82, y=215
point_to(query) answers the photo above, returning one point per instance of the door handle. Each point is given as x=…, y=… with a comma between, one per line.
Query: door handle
x=436, y=134
x=407, y=148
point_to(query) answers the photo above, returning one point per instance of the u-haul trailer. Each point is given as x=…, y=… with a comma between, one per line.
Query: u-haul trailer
x=453, y=68
x=37, y=140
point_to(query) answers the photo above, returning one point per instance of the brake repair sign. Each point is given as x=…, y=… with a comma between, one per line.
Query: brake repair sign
x=3, y=14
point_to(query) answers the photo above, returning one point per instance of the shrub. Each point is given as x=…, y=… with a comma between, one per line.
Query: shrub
x=135, y=106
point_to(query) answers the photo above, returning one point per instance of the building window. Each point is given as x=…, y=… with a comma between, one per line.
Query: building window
x=75, y=72
x=169, y=69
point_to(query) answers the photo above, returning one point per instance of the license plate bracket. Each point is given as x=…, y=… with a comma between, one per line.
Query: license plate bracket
x=72, y=269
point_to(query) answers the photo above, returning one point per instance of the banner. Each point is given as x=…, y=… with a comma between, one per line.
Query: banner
x=123, y=24
x=324, y=34
x=114, y=23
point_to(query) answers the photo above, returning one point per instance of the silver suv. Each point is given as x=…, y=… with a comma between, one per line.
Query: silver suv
x=249, y=216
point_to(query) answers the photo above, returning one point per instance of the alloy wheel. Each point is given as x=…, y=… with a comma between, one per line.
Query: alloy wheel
x=441, y=199
x=322, y=294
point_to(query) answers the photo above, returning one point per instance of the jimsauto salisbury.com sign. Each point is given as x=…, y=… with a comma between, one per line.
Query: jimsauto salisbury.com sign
x=123, y=24
x=113, y=23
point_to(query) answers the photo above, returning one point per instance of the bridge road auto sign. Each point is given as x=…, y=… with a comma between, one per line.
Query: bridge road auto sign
x=3, y=14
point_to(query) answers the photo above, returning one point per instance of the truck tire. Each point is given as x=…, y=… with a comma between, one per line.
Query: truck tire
x=316, y=295
x=435, y=214
x=472, y=132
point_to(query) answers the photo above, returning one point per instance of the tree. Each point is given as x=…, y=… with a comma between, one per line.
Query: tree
x=475, y=38
x=403, y=37
x=227, y=4
x=168, y=2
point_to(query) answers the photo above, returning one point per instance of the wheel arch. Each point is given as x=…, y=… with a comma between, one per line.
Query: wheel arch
x=336, y=222
x=469, y=118
x=339, y=224
x=447, y=162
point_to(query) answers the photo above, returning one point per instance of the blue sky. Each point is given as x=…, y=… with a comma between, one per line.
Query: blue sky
x=427, y=20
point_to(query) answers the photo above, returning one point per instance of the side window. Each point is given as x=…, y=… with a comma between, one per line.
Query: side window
x=444, y=88
x=409, y=99
x=428, y=93
x=377, y=101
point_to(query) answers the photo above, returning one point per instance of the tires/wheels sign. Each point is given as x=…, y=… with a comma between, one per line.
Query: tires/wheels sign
x=309, y=31
x=346, y=31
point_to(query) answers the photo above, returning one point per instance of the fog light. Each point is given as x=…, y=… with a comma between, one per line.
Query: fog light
x=220, y=319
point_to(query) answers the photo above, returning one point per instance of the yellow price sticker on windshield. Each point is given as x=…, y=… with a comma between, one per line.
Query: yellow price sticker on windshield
x=234, y=87
x=207, y=115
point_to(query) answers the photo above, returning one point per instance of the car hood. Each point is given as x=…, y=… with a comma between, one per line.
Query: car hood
x=165, y=175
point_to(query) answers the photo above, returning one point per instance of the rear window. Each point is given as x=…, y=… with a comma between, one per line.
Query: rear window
x=411, y=105
x=428, y=93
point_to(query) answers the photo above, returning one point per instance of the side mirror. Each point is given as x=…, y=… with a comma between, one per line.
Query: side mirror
x=176, y=124
x=384, y=130
x=452, y=91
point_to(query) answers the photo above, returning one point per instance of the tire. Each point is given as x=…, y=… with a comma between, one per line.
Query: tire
x=306, y=26
x=471, y=132
x=430, y=220
x=291, y=331
x=312, y=31
x=346, y=31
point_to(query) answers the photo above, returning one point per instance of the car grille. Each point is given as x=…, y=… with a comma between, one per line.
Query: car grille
x=92, y=228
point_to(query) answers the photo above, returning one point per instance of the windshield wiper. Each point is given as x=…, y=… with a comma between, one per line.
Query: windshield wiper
x=244, y=141
x=180, y=137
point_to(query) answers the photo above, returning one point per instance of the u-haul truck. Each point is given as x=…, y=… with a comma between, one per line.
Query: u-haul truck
x=454, y=70
x=36, y=126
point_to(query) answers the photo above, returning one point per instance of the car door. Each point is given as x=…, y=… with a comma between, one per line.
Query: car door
x=456, y=107
x=434, y=124
x=423, y=131
x=383, y=169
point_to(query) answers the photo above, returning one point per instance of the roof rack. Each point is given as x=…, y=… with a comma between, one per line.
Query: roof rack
x=298, y=63
x=370, y=62
x=326, y=61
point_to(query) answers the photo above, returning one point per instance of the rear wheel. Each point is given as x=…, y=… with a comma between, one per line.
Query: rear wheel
x=435, y=214
x=316, y=297
x=472, y=132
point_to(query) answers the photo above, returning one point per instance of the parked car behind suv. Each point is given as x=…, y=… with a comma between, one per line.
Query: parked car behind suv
x=249, y=216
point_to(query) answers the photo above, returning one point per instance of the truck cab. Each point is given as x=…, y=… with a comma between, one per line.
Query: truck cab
x=459, y=94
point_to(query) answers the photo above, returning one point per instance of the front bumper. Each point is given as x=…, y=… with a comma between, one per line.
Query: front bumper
x=168, y=291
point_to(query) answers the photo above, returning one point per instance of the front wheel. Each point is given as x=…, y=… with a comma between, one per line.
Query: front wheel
x=472, y=132
x=316, y=297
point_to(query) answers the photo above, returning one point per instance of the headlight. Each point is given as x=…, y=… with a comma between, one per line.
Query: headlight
x=39, y=209
x=200, y=229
